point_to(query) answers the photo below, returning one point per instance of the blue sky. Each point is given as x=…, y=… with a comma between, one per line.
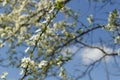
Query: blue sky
x=100, y=15
x=86, y=9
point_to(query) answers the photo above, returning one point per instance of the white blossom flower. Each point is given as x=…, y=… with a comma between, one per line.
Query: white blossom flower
x=119, y=51
x=61, y=72
x=90, y=19
x=2, y=45
x=4, y=74
x=110, y=27
x=51, y=9
x=21, y=71
x=117, y=39
x=1, y=30
x=59, y=63
x=5, y=2
x=34, y=37
x=27, y=49
x=42, y=64
x=38, y=30
x=27, y=61
x=49, y=50
x=22, y=17
x=3, y=35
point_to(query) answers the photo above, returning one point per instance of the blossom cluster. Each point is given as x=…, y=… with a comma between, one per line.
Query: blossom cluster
x=27, y=63
x=32, y=24
x=113, y=25
x=112, y=20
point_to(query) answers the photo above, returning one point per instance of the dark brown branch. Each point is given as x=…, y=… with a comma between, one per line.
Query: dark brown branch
x=25, y=74
x=80, y=35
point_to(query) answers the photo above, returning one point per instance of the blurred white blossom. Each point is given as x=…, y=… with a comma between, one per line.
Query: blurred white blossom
x=119, y=51
x=27, y=49
x=27, y=62
x=42, y=64
x=4, y=74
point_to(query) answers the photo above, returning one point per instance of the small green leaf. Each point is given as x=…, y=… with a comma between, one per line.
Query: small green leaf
x=59, y=5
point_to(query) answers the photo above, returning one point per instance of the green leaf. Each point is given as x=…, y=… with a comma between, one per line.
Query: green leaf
x=59, y=5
